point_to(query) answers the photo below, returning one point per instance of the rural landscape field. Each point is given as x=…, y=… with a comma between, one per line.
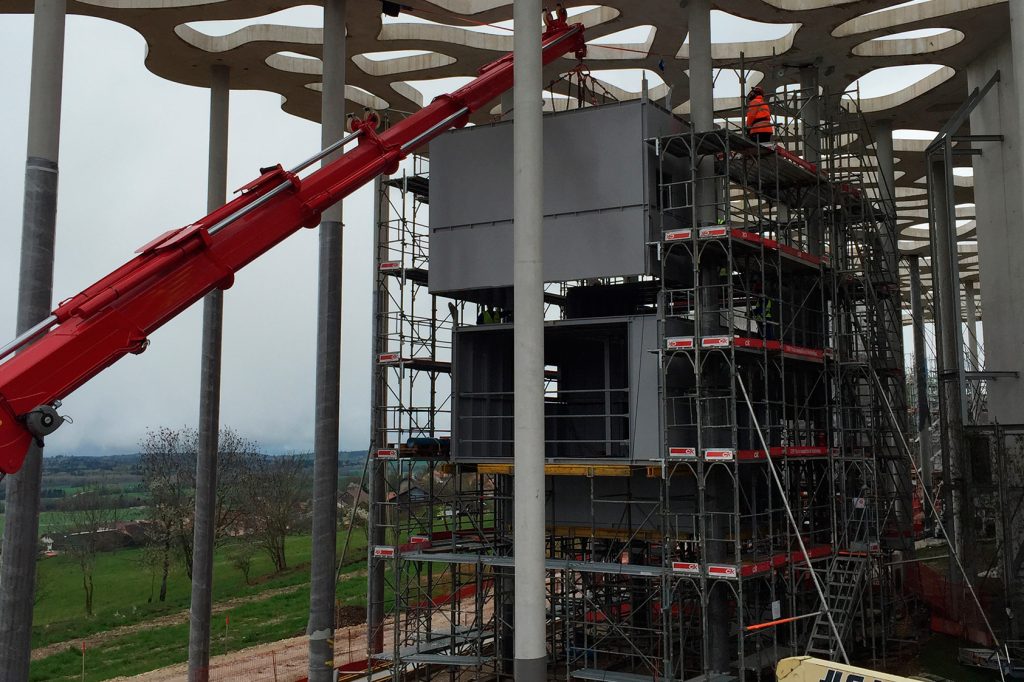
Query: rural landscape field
x=114, y=555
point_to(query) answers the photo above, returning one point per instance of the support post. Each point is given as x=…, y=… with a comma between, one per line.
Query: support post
x=882, y=134
x=203, y=527
x=973, y=348
x=35, y=292
x=528, y=359
x=328, y=365
x=949, y=336
x=379, y=430
x=924, y=415
x=810, y=118
x=717, y=495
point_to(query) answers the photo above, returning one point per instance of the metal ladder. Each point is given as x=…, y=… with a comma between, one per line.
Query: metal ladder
x=846, y=578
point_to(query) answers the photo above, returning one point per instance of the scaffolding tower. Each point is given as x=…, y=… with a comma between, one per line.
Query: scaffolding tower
x=670, y=557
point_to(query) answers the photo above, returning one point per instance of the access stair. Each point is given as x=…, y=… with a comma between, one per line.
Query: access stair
x=845, y=583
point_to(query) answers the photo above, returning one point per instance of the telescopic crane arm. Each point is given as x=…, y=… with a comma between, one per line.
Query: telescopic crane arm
x=115, y=316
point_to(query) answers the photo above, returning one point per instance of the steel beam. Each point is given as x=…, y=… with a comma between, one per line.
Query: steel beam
x=924, y=415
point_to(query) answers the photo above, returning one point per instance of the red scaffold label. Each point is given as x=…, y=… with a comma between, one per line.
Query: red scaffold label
x=678, y=235
x=388, y=358
x=418, y=539
x=721, y=571
x=685, y=567
x=715, y=341
x=802, y=352
x=719, y=455
x=682, y=452
x=679, y=342
x=385, y=453
x=391, y=265
x=712, y=232
x=384, y=552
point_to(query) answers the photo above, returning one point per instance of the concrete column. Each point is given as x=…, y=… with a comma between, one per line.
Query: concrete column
x=924, y=416
x=810, y=117
x=702, y=102
x=950, y=349
x=378, y=426
x=35, y=291
x=209, y=401
x=528, y=306
x=973, y=358
x=882, y=134
x=717, y=496
x=328, y=366
x=1017, y=45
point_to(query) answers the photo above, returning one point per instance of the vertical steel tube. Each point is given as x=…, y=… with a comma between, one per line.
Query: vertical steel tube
x=970, y=307
x=35, y=291
x=924, y=416
x=945, y=275
x=379, y=432
x=882, y=134
x=328, y=366
x=528, y=359
x=203, y=529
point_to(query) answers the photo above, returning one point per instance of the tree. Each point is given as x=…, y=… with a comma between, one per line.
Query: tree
x=277, y=489
x=168, y=467
x=83, y=519
x=241, y=558
x=168, y=472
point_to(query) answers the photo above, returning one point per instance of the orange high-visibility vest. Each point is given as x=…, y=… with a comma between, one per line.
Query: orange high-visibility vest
x=759, y=118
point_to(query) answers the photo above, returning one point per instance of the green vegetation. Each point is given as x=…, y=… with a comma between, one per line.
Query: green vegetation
x=273, y=607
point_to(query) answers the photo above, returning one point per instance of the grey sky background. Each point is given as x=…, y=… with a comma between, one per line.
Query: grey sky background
x=133, y=164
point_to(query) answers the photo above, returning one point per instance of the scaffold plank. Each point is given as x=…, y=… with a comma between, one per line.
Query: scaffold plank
x=586, y=470
x=610, y=676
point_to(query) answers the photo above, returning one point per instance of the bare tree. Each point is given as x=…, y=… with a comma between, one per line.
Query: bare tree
x=278, y=490
x=168, y=472
x=168, y=466
x=84, y=518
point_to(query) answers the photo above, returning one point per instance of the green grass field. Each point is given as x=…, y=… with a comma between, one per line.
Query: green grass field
x=122, y=592
x=51, y=521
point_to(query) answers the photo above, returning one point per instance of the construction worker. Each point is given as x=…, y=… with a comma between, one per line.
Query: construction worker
x=764, y=314
x=488, y=315
x=759, y=117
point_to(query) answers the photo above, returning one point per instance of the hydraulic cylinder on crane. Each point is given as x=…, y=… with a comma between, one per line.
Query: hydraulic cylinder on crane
x=115, y=316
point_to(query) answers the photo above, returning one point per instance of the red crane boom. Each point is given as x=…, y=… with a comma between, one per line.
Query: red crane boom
x=115, y=316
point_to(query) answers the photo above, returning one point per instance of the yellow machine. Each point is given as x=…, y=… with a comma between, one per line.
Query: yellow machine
x=807, y=669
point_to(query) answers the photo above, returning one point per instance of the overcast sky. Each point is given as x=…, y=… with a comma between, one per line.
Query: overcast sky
x=133, y=164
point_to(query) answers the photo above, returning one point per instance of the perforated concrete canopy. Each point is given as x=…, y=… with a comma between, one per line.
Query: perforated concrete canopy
x=389, y=59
